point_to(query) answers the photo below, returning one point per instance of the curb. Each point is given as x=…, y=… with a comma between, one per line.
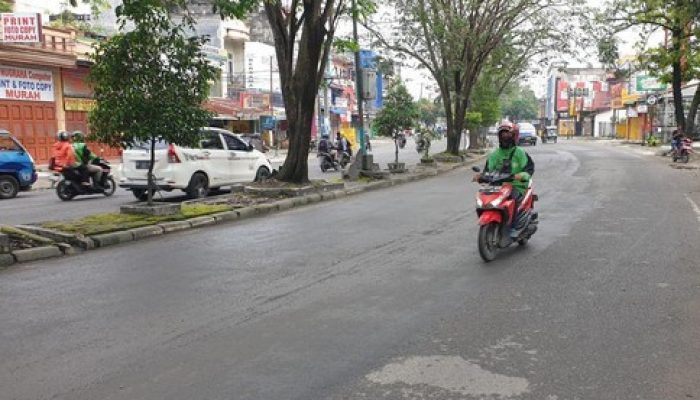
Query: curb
x=73, y=244
x=37, y=253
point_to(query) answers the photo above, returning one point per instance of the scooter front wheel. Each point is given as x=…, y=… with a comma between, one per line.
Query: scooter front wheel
x=488, y=241
x=109, y=186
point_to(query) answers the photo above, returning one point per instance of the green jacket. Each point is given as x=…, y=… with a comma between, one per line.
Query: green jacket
x=521, y=164
x=83, y=155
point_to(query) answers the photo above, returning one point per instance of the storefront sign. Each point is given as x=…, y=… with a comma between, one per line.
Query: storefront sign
x=268, y=122
x=642, y=108
x=75, y=82
x=256, y=101
x=632, y=113
x=646, y=83
x=78, y=104
x=18, y=83
x=21, y=27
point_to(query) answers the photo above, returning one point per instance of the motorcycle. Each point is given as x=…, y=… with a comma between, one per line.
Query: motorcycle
x=682, y=154
x=71, y=183
x=327, y=161
x=496, y=211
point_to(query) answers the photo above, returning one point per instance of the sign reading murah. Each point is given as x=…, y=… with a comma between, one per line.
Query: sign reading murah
x=21, y=27
x=27, y=84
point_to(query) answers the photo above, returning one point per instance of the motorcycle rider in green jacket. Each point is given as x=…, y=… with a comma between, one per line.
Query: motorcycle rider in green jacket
x=513, y=159
x=84, y=156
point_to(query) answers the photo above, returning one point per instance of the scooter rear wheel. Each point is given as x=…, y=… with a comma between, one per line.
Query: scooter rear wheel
x=684, y=158
x=488, y=241
x=64, y=191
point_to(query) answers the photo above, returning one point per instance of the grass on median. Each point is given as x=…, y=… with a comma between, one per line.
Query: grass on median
x=111, y=222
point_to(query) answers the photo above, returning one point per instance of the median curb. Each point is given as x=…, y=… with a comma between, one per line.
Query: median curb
x=37, y=253
x=73, y=244
x=6, y=260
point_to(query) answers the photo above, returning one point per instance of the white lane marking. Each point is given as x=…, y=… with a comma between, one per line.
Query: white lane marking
x=695, y=208
x=451, y=373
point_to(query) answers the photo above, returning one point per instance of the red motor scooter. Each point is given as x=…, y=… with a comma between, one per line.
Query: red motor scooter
x=682, y=154
x=496, y=210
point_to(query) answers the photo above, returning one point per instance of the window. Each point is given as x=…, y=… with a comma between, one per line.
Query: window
x=211, y=141
x=8, y=144
x=234, y=143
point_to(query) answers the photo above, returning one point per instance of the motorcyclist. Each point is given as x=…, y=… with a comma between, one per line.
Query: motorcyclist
x=85, y=157
x=513, y=159
x=325, y=145
x=63, y=156
x=676, y=141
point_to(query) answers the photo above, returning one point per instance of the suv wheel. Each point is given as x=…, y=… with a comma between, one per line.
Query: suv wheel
x=198, y=187
x=263, y=174
x=8, y=187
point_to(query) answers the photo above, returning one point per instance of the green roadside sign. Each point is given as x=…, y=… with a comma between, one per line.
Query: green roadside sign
x=648, y=83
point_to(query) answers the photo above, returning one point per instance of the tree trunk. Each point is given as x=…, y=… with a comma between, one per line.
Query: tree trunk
x=296, y=165
x=396, y=148
x=677, y=81
x=299, y=77
x=454, y=140
x=693, y=111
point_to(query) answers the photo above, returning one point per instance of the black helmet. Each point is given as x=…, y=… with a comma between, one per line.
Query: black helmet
x=62, y=136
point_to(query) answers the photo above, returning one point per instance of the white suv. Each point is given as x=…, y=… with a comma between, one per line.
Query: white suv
x=222, y=159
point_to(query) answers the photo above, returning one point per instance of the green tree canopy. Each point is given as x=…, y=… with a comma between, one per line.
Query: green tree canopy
x=675, y=63
x=519, y=104
x=151, y=81
x=428, y=111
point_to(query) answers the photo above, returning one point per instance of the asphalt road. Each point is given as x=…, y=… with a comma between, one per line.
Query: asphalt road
x=43, y=205
x=383, y=296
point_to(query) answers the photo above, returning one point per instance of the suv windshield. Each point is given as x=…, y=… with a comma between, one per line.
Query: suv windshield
x=8, y=144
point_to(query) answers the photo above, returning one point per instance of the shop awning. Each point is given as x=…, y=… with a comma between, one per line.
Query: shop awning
x=223, y=108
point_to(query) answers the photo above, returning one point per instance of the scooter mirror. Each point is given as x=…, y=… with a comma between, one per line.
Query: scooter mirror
x=476, y=169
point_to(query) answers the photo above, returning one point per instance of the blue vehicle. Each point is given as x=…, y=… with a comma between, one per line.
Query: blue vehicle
x=17, y=172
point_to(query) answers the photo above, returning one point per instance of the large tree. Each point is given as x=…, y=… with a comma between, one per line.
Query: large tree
x=455, y=39
x=678, y=61
x=150, y=82
x=303, y=31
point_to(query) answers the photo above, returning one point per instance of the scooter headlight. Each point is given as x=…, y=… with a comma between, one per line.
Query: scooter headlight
x=479, y=203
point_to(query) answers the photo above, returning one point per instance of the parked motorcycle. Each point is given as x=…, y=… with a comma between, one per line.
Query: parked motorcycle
x=496, y=209
x=683, y=153
x=71, y=183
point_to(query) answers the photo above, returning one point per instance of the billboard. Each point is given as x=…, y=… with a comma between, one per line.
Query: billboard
x=18, y=83
x=20, y=27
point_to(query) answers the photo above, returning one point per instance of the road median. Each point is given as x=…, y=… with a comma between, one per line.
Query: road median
x=62, y=238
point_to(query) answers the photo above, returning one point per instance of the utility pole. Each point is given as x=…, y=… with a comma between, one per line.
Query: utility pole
x=272, y=112
x=358, y=82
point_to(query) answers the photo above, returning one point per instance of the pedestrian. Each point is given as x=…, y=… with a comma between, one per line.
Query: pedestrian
x=368, y=145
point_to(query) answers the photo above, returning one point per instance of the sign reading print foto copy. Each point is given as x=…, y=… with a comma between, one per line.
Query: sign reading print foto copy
x=20, y=27
x=27, y=84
